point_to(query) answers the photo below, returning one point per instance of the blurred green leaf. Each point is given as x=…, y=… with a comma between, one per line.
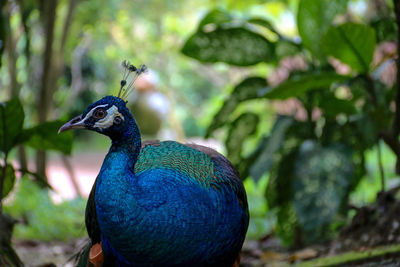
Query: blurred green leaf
x=333, y=106
x=385, y=29
x=41, y=180
x=279, y=189
x=297, y=85
x=45, y=137
x=46, y=221
x=314, y=18
x=245, y=90
x=286, y=48
x=241, y=128
x=249, y=88
x=269, y=146
x=11, y=121
x=351, y=43
x=244, y=5
x=222, y=116
x=322, y=177
x=359, y=132
x=215, y=16
x=265, y=23
x=236, y=46
x=9, y=179
x=287, y=223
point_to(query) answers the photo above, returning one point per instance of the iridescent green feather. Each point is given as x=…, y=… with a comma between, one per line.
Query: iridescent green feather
x=176, y=156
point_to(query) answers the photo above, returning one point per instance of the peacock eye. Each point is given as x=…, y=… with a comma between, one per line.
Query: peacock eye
x=117, y=120
x=99, y=113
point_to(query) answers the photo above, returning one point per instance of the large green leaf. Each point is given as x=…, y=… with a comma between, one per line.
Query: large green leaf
x=287, y=223
x=314, y=18
x=11, y=121
x=299, y=84
x=244, y=126
x=385, y=28
x=222, y=116
x=269, y=146
x=351, y=43
x=45, y=137
x=248, y=88
x=215, y=16
x=245, y=90
x=237, y=46
x=263, y=22
x=286, y=47
x=333, y=106
x=322, y=176
x=9, y=179
x=279, y=189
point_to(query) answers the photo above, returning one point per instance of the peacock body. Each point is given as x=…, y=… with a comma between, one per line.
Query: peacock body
x=161, y=203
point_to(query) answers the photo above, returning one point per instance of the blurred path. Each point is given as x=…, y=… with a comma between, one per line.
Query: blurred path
x=86, y=166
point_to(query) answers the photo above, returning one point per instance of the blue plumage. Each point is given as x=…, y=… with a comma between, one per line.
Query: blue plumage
x=163, y=204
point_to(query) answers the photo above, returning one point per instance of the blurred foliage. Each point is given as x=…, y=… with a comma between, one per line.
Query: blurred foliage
x=337, y=97
x=262, y=218
x=321, y=180
x=40, y=218
x=43, y=136
x=12, y=134
x=313, y=20
x=8, y=180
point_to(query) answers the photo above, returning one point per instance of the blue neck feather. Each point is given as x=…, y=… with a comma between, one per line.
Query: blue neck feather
x=116, y=194
x=129, y=142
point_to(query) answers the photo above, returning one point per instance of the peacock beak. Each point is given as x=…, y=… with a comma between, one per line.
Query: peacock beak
x=75, y=123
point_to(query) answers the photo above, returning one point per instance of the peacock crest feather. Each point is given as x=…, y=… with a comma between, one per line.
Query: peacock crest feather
x=129, y=76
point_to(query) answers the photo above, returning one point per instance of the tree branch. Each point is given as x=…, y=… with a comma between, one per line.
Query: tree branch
x=67, y=24
x=24, y=18
x=58, y=61
x=371, y=90
x=380, y=165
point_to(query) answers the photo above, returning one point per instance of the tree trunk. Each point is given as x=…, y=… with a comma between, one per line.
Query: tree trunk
x=14, y=87
x=45, y=96
x=52, y=65
x=8, y=257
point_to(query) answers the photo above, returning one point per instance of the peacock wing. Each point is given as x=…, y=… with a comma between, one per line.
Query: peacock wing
x=201, y=163
x=92, y=225
x=225, y=172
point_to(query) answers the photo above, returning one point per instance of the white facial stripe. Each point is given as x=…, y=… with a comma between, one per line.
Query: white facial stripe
x=108, y=120
x=90, y=113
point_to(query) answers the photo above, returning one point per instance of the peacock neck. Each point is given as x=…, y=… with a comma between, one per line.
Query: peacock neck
x=116, y=195
x=127, y=143
x=118, y=165
x=117, y=174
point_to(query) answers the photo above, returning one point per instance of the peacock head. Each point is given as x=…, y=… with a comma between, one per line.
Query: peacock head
x=109, y=115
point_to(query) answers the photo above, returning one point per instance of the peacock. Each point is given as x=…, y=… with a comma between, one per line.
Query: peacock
x=159, y=203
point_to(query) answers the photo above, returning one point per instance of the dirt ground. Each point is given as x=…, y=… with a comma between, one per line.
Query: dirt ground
x=254, y=254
